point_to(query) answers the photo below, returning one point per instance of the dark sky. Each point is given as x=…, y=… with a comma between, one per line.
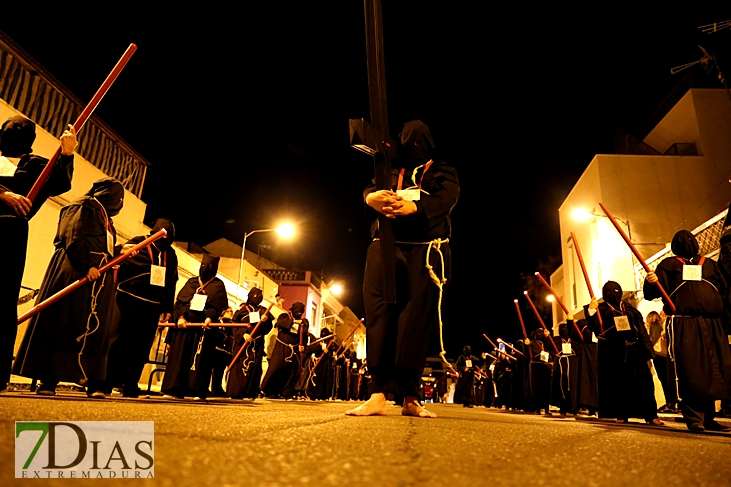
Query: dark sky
x=243, y=116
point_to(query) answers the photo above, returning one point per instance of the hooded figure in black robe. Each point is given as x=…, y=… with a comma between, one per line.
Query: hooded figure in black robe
x=624, y=378
x=320, y=382
x=521, y=367
x=564, y=385
x=19, y=170
x=192, y=349
x=537, y=382
x=245, y=375
x=398, y=333
x=69, y=340
x=699, y=359
x=283, y=370
x=142, y=303
x=586, y=352
x=464, y=390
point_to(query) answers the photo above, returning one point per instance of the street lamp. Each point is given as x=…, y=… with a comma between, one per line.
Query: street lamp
x=286, y=230
x=336, y=289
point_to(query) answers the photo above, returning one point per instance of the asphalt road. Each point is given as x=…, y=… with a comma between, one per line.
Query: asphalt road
x=278, y=443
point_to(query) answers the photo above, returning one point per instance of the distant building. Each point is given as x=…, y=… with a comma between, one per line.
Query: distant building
x=675, y=178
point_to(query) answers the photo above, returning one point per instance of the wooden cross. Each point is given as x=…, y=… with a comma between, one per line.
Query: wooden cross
x=373, y=139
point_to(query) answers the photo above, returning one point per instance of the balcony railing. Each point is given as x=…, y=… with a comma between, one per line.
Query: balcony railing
x=26, y=86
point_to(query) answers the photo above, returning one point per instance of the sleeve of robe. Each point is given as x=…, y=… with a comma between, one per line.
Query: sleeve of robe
x=442, y=185
x=593, y=321
x=171, y=280
x=29, y=168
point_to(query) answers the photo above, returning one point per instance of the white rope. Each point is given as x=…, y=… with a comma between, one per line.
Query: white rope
x=198, y=350
x=92, y=316
x=291, y=348
x=670, y=327
x=439, y=282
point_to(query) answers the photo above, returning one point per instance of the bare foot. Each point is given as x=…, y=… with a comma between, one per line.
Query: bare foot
x=412, y=408
x=375, y=406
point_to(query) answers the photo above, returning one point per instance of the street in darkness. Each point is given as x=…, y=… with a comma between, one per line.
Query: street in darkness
x=277, y=443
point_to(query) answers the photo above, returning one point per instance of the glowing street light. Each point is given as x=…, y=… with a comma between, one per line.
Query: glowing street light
x=550, y=298
x=336, y=289
x=581, y=214
x=285, y=230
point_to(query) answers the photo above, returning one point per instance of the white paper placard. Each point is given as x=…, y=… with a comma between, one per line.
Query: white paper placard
x=157, y=275
x=566, y=349
x=409, y=194
x=198, y=303
x=692, y=272
x=622, y=323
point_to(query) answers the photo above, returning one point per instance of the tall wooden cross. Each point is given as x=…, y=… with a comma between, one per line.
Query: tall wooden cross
x=372, y=138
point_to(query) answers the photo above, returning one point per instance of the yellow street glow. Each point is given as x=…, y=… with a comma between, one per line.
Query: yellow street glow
x=285, y=230
x=580, y=214
x=550, y=298
x=336, y=289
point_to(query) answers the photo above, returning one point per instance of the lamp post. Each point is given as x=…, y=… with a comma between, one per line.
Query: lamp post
x=286, y=230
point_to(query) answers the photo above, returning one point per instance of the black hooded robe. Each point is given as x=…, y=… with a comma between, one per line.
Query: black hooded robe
x=320, y=383
x=464, y=390
x=14, y=228
x=245, y=376
x=624, y=379
x=699, y=359
x=69, y=340
x=586, y=351
x=191, y=358
x=283, y=371
x=538, y=375
x=564, y=385
x=139, y=306
x=398, y=333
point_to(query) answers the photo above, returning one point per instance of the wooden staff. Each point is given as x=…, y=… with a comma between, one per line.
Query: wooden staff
x=496, y=347
x=540, y=320
x=586, y=278
x=520, y=317
x=326, y=352
x=639, y=257
x=203, y=325
x=246, y=343
x=301, y=330
x=563, y=306
x=349, y=337
x=76, y=285
x=323, y=339
x=79, y=124
x=500, y=340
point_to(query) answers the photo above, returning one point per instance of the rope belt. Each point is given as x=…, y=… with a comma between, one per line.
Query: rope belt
x=92, y=314
x=291, y=348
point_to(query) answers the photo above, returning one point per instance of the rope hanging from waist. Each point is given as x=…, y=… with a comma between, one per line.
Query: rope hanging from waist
x=436, y=244
x=95, y=291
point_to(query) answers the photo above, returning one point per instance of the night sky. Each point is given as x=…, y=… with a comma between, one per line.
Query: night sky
x=245, y=119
